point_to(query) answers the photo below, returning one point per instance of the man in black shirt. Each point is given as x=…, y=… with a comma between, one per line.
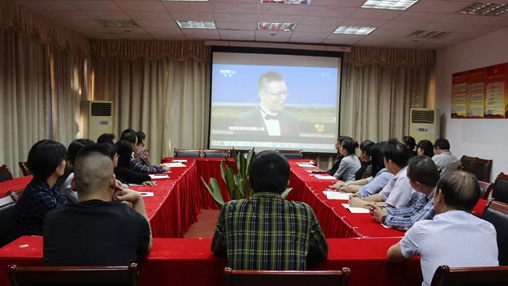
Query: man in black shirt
x=97, y=231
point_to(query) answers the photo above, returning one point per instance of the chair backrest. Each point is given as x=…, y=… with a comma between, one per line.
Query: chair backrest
x=5, y=173
x=24, y=169
x=500, y=189
x=293, y=278
x=6, y=215
x=467, y=162
x=481, y=169
x=447, y=276
x=291, y=154
x=497, y=214
x=215, y=153
x=188, y=153
x=16, y=195
x=486, y=188
x=106, y=275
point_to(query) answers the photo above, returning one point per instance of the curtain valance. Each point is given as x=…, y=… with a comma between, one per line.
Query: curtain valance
x=390, y=58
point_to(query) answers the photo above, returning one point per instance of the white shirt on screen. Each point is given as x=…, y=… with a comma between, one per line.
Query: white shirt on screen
x=272, y=125
x=453, y=238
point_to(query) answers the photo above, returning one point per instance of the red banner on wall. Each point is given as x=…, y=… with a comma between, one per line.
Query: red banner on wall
x=496, y=91
x=476, y=93
x=459, y=94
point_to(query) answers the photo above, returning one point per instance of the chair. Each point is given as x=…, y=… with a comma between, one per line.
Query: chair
x=467, y=162
x=447, y=276
x=24, y=169
x=497, y=214
x=486, y=188
x=293, y=278
x=104, y=275
x=500, y=188
x=215, y=153
x=291, y=154
x=5, y=173
x=16, y=195
x=6, y=214
x=481, y=169
x=188, y=153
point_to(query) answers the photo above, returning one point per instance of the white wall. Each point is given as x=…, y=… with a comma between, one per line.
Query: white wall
x=484, y=138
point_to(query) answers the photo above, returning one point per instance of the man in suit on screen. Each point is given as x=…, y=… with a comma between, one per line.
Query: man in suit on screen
x=269, y=118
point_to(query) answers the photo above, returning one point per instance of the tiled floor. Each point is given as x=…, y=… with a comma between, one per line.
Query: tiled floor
x=205, y=226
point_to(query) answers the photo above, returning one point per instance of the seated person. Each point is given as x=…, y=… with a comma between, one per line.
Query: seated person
x=454, y=237
x=73, y=150
x=372, y=185
x=366, y=159
x=289, y=229
x=349, y=164
x=140, y=153
x=106, y=138
x=339, y=157
x=410, y=143
x=423, y=177
x=398, y=192
x=444, y=159
x=46, y=161
x=97, y=231
x=132, y=138
x=425, y=148
x=123, y=170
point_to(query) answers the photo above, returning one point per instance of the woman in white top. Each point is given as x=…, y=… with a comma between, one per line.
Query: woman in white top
x=350, y=163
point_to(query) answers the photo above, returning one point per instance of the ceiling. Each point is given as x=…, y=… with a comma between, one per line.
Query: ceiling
x=237, y=20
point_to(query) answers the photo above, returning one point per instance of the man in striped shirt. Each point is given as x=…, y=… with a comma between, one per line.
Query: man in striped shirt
x=266, y=232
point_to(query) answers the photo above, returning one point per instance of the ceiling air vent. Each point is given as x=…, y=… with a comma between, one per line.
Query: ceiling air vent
x=108, y=23
x=423, y=116
x=429, y=34
x=101, y=109
x=485, y=9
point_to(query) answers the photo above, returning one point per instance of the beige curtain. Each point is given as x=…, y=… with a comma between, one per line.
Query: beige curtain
x=24, y=97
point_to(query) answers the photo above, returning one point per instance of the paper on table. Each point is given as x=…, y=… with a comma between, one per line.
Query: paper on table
x=146, y=194
x=174, y=165
x=385, y=226
x=135, y=185
x=325, y=177
x=337, y=195
x=159, y=176
x=306, y=165
x=356, y=210
x=179, y=161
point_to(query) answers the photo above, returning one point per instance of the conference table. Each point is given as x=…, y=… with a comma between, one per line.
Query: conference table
x=355, y=240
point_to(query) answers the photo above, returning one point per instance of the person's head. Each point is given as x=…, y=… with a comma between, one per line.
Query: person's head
x=269, y=172
x=47, y=158
x=425, y=148
x=396, y=156
x=113, y=153
x=106, y=138
x=124, y=153
x=131, y=137
x=74, y=148
x=141, y=138
x=457, y=190
x=377, y=157
x=348, y=147
x=93, y=173
x=422, y=174
x=410, y=142
x=365, y=156
x=441, y=145
x=272, y=91
x=339, y=142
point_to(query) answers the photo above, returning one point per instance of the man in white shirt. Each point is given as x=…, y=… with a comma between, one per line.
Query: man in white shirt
x=454, y=237
x=269, y=118
x=444, y=159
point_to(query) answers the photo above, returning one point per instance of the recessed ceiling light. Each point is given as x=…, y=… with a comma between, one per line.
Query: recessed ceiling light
x=303, y=2
x=113, y=23
x=389, y=4
x=351, y=30
x=485, y=9
x=429, y=34
x=281, y=27
x=196, y=24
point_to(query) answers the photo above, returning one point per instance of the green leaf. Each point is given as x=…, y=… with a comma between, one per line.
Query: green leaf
x=238, y=161
x=286, y=193
x=223, y=172
x=238, y=183
x=214, y=190
x=249, y=160
x=230, y=182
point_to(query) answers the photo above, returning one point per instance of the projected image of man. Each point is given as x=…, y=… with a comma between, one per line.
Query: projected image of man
x=269, y=118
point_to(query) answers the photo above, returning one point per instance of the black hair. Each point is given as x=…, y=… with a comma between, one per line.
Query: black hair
x=396, y=152
x=269, y=172
x=141, y=136
x=106, y=138
x=124, y=153
x=44, y=157
x=427, y=147
x=366, y=145
x=442, y=143
x=410, y=142
x=129, y=136
x=342, y=138
x=112, y=149
x=75, y=146
x=377, y=157
x=99, y=148
x=349, y=145
x=269, y=77
x=423, y=170
x=460, y=190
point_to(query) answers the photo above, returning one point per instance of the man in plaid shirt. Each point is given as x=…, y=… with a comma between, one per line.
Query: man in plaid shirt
x=266, y=232
x=423, y=176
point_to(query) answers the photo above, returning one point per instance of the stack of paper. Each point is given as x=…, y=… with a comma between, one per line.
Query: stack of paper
x=337, y=195
x=146, y=194
x=174, y=165
x=179, y=161
x=159, y=176
x=356, y=210
x=324, y=177
x=306, y=165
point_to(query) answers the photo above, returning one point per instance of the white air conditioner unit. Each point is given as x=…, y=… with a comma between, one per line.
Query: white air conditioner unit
x=424, y=124
x=96, y=118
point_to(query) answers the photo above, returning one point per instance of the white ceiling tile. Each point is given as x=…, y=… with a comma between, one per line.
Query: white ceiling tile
x=419, y=17
x=47, y=5
x=203, y=32
x=225, y=17
x=84, y=24
x=309, y=35
x=443, y=27
x=268, y=34
x=280, y=19
x=322, y=20
x=64, y=15
x=404, y=25
x=129, y=36
x=156, y=32
x=270, y=39
x=234, y=8
x=236, y=26
x=157, y=24
x=315, y=28
x=107, y=15
x=375, y=14
x=480, y=29
x=130, y=31
x=464, y=36
x=339, y=3
x=364, y=23
x=495, y=21
x=140, y=6
x=306, y=40
x=237, y=38
x=298, y=10
x=462, y=19
x=149, y=16
x=329, y=11
x=94, y=5
x=182, y=16
x=420, y=41
x=438, y=6
x=195, y=7
x=391, y=32
x=343, y=39
x=203, y=37
x=104, y=36
x=170, y=37
x=236, y=33
x=236, y=1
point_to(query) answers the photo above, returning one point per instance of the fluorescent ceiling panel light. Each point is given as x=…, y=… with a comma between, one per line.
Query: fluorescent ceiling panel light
x=297, y=2
x=351, y=30
x=389, y=4
x=196, y=24
x=278, y=27
x=429, y=34
x=112, y=23
x=485, y=9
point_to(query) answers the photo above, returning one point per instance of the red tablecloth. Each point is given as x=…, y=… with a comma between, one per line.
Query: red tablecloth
x=190, y=262
x=14, y=184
